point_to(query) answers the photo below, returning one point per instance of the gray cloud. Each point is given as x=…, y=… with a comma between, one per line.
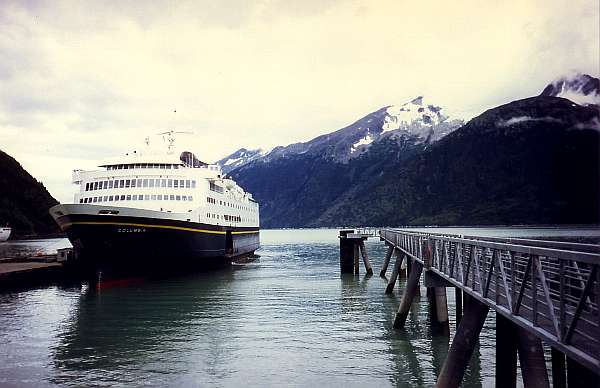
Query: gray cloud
x=82, y=79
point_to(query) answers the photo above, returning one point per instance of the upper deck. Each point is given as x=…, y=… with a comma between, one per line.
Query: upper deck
x=167, y=182
x=141, y=169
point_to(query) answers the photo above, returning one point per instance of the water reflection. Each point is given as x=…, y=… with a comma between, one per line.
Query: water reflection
x=419, y=350
x=116, y=334
x=288, y=319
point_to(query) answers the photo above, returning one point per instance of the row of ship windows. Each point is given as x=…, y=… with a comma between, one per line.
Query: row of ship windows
x=229, y=218
x=216, y=188
x=136, y=197
x=229, y=204
x=127, y=183
x=142, y=165
x=226, y=217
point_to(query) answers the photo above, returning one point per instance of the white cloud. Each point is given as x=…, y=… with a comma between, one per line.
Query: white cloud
x=523, y=119
x=79, y=80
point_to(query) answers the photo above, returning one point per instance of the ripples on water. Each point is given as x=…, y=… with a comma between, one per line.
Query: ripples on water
x=287, y=319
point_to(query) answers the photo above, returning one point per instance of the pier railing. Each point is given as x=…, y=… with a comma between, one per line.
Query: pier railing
x=368, y=232
x=554, y=293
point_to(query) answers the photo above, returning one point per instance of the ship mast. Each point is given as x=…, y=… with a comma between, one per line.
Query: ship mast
x=170, y=140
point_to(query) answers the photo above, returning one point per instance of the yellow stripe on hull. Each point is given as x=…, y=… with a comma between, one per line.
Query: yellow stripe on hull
x=67, y=224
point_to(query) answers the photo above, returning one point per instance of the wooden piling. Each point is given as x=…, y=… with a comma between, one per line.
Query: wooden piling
x=465, y=301
x=559, y=369
x=430, y=294
x=418, y=287
x=392, y=282
x=365, y=256
x=441, y=309
x=402, y=274
x=506, y=352
x=459, y=304
x=356, y=258
x=409, y=293
x=346, y=252
x=386, y=260
x=463, y=344
x=426, y=253
x=531, y=358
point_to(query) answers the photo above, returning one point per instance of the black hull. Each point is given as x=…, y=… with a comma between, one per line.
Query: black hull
x=137, y=242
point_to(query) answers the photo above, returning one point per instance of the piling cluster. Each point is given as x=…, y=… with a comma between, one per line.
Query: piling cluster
x=352, y=246
x=512, y=339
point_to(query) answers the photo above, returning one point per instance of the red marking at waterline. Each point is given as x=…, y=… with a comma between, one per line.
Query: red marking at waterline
x=105, y=284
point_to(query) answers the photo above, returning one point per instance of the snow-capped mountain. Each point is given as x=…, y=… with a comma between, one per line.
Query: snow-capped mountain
x=420, y=119
x=416, y=164
x=417, y=121
x=468, y=176
x=582, y=89
x=240, y=158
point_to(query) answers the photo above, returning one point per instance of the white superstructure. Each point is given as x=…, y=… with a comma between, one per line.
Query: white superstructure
x=176, y=184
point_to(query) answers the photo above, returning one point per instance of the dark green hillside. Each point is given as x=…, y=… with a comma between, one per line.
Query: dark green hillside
x=24, y=202
x=533, y=161
x=295, y=191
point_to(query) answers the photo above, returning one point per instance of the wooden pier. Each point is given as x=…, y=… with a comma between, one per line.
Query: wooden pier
x=352, y=245
x=33, y=270
x=542, y=292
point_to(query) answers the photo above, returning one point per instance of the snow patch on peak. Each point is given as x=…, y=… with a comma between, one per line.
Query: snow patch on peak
x=580, y=88
x=415, y=122
x=231, y=161
x=368, y=139
x=416, y=116
x=239, y=158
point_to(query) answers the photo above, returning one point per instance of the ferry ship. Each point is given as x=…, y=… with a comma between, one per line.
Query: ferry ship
x=158, y=205
x=4, y=233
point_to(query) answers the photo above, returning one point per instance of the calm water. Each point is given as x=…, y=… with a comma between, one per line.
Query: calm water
x=287, y=319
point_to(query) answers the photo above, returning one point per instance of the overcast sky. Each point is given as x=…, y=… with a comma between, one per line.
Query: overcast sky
x=81, y=81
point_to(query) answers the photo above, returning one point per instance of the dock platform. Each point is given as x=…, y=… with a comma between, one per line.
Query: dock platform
x=33, y=270
x=540, y=291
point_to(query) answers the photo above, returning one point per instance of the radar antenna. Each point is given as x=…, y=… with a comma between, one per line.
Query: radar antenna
x=171, y=138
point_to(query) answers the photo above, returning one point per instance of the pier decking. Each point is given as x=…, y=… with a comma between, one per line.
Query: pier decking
x=8, y=269
x=23, y=271
x=540, y=290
